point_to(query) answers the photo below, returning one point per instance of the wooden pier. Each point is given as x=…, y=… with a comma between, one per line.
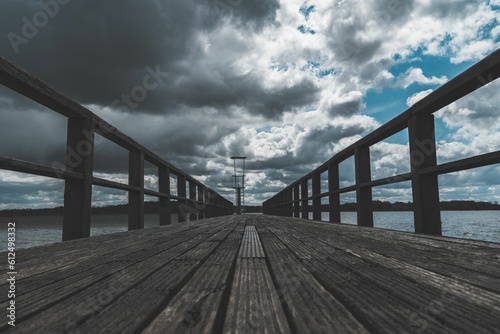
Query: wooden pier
x=258, y=274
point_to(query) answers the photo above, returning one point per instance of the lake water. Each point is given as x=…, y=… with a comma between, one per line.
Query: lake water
x=41, y=230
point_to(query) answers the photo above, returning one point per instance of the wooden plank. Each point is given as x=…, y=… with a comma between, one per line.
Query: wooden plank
x=471, y=263
x=200, y=305
x=33, y=262
x=312, y=277
x=254, y=304
x=250, y=245
x=407, y=292
x=473, y=256
x=59, y=277
x=159, y=289
x=80, y=298
x=78, y=255
x=308, y=306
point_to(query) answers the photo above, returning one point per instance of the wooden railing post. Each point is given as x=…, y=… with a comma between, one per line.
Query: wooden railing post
x=181, y=202
x=316, y=190
x=303, y=198
x=425, y=188
x=218, y=202
x=203, y=205
x=334, y=199
x=78, y=193
x=363, y=194
x=136, y=197
x=192, y=197
x=164, y=187
x=282, y=205
x=208, y=204
x=289, y=199
x=296, y=199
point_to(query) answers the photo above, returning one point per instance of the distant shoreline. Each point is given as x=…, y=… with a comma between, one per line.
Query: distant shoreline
x=152, y=207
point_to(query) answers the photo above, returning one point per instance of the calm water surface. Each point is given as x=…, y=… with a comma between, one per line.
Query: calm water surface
x=41, y=230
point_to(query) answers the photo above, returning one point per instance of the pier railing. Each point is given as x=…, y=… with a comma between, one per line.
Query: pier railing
x=201, y=202
x=419, y=121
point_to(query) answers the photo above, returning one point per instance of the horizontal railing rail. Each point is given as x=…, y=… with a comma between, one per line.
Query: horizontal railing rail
x=419, y=121
x=78, y=170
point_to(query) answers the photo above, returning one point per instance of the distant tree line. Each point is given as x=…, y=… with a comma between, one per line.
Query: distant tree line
x=408, y=206
x=153, y=207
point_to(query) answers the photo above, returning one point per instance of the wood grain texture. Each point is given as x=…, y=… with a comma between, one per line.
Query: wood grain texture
x=258, y=274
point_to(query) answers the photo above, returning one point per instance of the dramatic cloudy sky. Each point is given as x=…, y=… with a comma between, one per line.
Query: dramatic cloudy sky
x=285, y=83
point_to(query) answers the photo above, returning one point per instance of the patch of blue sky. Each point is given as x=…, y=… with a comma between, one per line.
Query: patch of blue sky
x=430, y=65
x=306, y=10
x=276, y=66
x=487, y=29
x=315, y=67
x=391, y=102
x=326, y=72
x=279, y=67
x=311, y=64
x=306, y=30
x=442, y=132
x=264, y=129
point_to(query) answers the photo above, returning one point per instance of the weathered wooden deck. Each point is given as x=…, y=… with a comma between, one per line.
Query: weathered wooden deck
x=258, y=274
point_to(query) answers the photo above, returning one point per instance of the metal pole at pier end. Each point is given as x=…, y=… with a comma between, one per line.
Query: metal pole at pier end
x=239, y=187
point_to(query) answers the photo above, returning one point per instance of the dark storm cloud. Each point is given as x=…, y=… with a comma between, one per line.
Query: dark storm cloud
x=447, y=9
x=36, y=136
x=97, y=51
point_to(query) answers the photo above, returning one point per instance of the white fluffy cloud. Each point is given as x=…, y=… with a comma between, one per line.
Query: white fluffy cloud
x=416, y=75
x=417, y=97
